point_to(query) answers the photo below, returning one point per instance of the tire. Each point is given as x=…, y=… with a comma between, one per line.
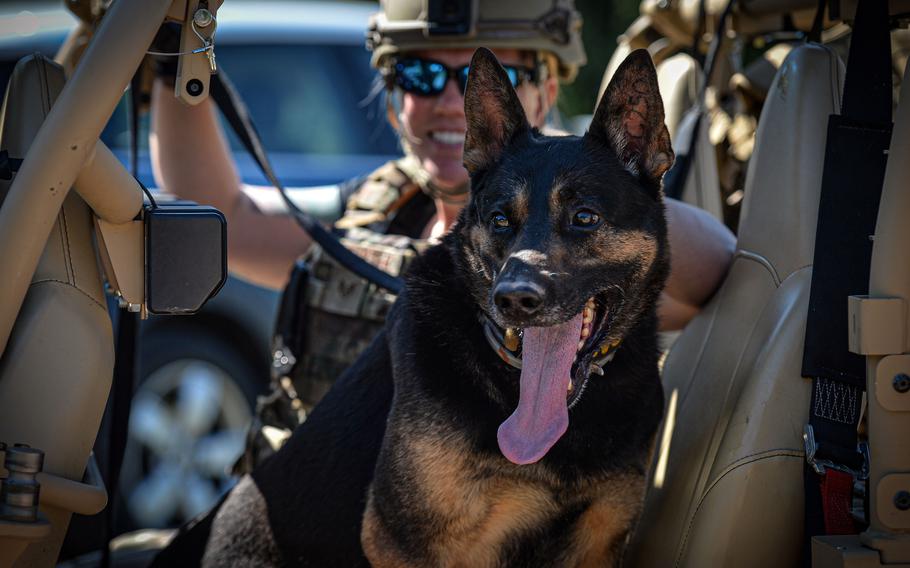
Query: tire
x=180, y=446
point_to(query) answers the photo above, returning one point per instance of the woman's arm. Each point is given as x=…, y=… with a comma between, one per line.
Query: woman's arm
x=191, y=159
x=701, y=249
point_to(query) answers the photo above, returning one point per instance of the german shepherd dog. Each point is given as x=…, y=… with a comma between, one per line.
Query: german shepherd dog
x=435, y=449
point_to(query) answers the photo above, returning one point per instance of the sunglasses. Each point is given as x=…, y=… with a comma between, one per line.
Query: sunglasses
x=428, y=78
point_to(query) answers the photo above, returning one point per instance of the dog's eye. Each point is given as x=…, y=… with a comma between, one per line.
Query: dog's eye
x=585, y=218
x=499, y=221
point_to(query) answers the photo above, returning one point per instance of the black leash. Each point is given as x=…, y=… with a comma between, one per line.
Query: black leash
x=228, y=100
x=854, y=170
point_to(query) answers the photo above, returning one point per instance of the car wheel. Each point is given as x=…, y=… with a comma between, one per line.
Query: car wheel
x=187, y=427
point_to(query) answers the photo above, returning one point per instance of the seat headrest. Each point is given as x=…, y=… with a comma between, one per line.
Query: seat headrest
x=33, y=86
x=783, y=183
x=677, y=79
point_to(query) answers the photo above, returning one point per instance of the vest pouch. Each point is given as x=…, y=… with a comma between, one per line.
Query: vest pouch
x=342, y=313
x=288, y=339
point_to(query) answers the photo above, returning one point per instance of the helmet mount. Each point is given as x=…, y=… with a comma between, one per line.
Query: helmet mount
x=549, y=26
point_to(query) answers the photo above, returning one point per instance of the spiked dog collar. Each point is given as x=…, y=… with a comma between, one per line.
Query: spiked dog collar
x=507, y=346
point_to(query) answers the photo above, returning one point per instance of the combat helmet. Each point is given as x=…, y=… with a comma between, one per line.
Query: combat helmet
x=552, y=26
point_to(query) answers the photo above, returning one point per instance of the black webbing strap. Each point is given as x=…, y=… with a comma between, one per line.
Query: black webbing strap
x=121, y=397
x=855, y=158
x=125, y=368
x=815, y=33
x=8, y=166
x=228, y=100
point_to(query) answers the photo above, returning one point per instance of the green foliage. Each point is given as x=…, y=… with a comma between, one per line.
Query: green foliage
x=604, y=21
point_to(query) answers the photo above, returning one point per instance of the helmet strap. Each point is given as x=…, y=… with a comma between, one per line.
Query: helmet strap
x=410, y=165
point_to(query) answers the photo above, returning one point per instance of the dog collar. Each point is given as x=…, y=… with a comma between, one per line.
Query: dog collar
x=497, y=340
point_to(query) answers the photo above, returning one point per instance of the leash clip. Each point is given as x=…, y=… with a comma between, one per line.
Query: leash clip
x=204, y=19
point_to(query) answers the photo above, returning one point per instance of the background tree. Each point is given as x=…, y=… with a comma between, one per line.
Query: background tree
x=604, y=21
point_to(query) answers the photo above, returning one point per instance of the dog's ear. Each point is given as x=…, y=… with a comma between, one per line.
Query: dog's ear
x=630, y=118
x=493, y=112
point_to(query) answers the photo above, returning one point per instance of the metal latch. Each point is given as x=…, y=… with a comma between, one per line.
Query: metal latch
x=819, y=465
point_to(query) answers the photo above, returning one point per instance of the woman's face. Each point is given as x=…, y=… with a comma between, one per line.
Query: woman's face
x=435, y=126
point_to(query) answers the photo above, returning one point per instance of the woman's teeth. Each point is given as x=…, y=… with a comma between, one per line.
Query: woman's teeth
x=447, y=137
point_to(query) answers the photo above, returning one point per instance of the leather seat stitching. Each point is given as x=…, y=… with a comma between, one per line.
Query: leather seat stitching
x=764, y=455
x=70, y=285
x=67, y=255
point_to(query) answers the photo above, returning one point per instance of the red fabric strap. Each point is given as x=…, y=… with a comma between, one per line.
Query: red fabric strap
x=837, y=497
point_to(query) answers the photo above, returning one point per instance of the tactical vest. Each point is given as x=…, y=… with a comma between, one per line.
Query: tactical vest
x=328, y=315
x=343, y=312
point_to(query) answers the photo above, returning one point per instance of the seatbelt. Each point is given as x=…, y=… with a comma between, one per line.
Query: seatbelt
x=228, y=100
x=121, y=398
x=855, y=158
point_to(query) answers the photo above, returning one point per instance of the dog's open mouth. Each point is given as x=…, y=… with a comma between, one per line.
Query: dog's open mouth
x=557, y=362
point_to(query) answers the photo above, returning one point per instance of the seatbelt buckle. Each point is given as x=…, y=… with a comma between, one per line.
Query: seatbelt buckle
x=819, y=465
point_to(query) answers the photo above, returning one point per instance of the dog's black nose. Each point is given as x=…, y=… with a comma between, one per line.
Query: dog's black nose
x=517, y=299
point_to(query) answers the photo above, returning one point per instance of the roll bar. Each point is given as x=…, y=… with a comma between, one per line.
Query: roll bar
x=67, y=140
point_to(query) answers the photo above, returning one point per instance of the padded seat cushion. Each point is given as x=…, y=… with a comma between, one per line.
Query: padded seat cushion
x=726, y=487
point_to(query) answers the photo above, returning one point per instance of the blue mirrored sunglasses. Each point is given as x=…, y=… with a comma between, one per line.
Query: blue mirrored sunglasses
x=427, y=78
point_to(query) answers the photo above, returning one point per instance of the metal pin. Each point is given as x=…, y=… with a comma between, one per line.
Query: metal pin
x=210, y=53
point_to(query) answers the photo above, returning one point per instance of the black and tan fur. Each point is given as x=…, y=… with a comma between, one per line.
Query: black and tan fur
x=443, y=495
x=438, y=491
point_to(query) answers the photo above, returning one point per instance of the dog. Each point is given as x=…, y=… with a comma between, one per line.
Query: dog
x=435, y=448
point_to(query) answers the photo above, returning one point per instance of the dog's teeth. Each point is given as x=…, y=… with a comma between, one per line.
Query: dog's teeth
x=580, y=345
x=588, y=315
x=595, y=368
x=511, y=339
x=570, y=387
x=585, y=332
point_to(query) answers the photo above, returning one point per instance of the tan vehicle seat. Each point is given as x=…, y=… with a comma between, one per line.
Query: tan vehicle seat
x=55, y=372
x=678, y=78
x=726, y=486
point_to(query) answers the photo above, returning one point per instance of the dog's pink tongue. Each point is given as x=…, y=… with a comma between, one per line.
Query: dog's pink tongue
x=542, y=416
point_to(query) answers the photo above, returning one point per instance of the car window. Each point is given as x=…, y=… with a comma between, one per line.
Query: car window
x=304, y=99
x=310, y=98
